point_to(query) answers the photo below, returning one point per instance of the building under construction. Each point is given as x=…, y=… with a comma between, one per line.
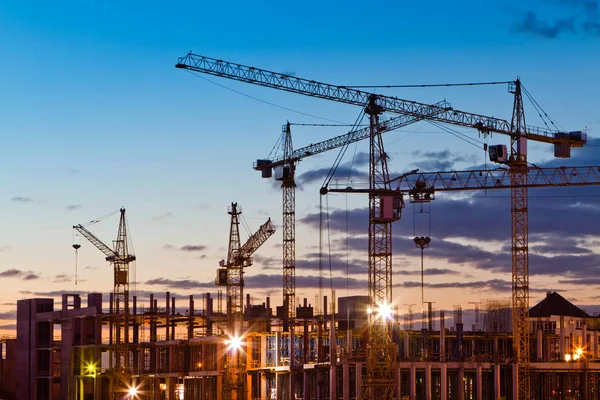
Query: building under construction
x=178, y=350
x=347, y=348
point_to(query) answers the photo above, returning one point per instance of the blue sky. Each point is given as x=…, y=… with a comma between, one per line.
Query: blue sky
x=94, y=116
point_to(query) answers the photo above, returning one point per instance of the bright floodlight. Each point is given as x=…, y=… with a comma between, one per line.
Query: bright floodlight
x=235, y=342
x=132, y=391
x=579, y=351
x=384, y=311
x=567, y=357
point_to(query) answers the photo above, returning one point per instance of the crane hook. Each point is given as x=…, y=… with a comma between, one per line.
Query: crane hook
x=76, y=246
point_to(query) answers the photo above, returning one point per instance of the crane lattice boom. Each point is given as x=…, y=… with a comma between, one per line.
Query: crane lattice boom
x=345, y=139
x=257, y=76
x=416, y=182
x=108, y=252
x=259, y=237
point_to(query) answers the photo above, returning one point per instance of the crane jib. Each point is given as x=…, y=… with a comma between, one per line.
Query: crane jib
x=257, y=76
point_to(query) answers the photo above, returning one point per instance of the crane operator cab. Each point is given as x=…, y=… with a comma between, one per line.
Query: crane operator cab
x=391, y=208
x=498, y=154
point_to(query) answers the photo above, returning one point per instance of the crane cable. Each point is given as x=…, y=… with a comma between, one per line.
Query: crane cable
x=342, y=152
x=260, y=100
x=95, y=221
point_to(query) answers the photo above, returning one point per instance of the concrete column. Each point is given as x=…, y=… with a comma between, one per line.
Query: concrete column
x=168, y=315
x=540, y=345
x=358, y=379
x=413, y=381
x=442, y=337
x=443, y=381
x=496, y=382
x=595, y=344
x=263, y=387
x=346, y=379
x=219, y=387
x=248, y=387
x=292, y=362
x=263, y=351
x=398, y=382
x=515, y=374
x=320, y=384
x=561, y=345
x=461, y=382
x=332, y=359
x=406, y=346
x=478, y=382
x=170, y=388
x=332, y=381
x=584, y=342
x=277, y=349
x=428, y=383
x=306, y=385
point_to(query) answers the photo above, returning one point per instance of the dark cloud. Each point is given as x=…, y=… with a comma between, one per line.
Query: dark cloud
x=496, y=285
x=438, y=160
x=335, y=262
x=11, y=273
x=193, y=248
x=263, y=281
x=11, y=327
x=11, y=315
x=23, y=275
x=22, y=199
x=572, y=16
x=61, y=278
x=588, y=281
x=168, y=246
x=318, y=175
x=73, y=207
x=429, y=271
x=532, y=24
x=180, y=284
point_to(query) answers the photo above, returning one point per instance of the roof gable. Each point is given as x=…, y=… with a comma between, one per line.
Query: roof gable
x=555, y=304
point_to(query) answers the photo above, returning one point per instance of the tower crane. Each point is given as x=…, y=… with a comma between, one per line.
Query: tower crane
x=231, y=275
x=120, y=258
x=385, y=205
x=285, y=171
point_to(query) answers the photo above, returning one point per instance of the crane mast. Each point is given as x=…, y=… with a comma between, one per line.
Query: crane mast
x=288, y=188
x=520, y=244
x=383, y=210
x=378, y=230
x=231, y=275
x=120, y=258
